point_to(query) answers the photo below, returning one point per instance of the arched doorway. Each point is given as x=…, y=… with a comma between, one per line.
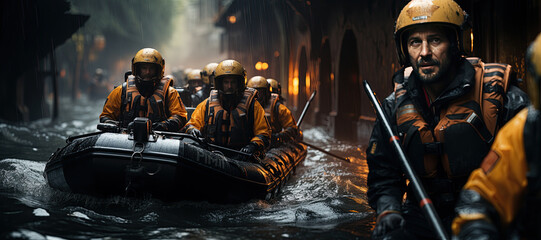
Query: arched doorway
x=325, y=85
x=349, y=91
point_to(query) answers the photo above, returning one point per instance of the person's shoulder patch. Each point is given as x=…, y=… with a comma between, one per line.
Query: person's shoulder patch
x=490, y=160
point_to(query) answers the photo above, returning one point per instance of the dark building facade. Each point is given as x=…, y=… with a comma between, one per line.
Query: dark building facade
x=331, y=46
x=31, y=31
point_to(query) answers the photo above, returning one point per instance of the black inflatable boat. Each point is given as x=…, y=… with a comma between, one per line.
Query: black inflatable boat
x=167, y=166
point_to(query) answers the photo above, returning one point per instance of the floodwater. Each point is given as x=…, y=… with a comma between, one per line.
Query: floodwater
x=325, y=199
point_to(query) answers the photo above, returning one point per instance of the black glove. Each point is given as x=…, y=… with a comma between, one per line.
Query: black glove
x=116, y=123
x=281, y=137
x=299, y=137
x=159, y=126
x=275, y=140
x=195, y=132
x=386, y=223
x=130, y=126
x=251, y=148
x=478, y=229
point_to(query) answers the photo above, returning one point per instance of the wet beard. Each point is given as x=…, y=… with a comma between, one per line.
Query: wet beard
x=430, y=76
x=229, y=101
x=146, y=88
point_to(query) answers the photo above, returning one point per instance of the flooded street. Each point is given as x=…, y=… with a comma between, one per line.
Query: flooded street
x=325, y=199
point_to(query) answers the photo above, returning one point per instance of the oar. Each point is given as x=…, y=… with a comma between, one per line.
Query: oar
x=425, y=203
x=326, y=152
x=306, y=108
x=311, y=145
x=183, y=135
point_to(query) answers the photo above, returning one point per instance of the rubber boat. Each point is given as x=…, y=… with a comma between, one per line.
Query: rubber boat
x=167, y=166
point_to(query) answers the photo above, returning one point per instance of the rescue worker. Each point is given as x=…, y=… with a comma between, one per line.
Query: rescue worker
x=196, y=87
x=185, y=78
x=502, y=199
x=445, y=108
x=231, y=117
x=283, y=126
x=98, y=87
x=146, y=93
x=208, y=75
x=276, y=88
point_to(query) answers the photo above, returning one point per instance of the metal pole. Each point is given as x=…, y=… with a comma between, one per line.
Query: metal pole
x=326, y=152
x=306, y=108
x=425, y=202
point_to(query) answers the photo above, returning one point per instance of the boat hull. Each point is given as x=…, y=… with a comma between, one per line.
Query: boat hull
x=110, y=164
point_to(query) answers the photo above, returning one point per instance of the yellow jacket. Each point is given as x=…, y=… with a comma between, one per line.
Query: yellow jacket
x=261, y=128
x=284, y=119
x=501, y=180
x=176, y=112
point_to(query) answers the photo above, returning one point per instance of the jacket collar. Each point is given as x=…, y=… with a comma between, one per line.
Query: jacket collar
x=462, y=83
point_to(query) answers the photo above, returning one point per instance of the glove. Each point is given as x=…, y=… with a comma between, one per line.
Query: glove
x=159, y=126
x=478, y=229
x=299, y=137
x=195, y=132
x=251, y=148
x=130, y=126
x=116, y=123
x=275, y=139
x=387, y=222
x=279, y=138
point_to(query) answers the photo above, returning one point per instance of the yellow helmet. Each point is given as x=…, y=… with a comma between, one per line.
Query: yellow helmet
x=263, y=89
x=533, y=66
x=148, y=55
x=194, y=75
x=443, y=12
x=274, y=86
x=230, y=68
x=208, y=72
x=258, y=82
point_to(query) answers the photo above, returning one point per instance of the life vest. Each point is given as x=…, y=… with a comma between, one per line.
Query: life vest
x=135, y=105
x=198, y=97
x=467, y=125
x=271, y=113
x=235, y=128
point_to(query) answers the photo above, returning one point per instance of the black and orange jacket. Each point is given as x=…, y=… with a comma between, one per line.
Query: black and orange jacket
x=234, y=129
x=506, y=190
x=125, y=103
x=279, y=116
x=445, y=139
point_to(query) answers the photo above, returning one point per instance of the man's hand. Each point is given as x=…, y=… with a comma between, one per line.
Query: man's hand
x=387, y=222
x=159, y=126
x=299, y=137
x=478, y=229
x=279, y=138
x=251, y=149
x=275, y=140
x=113, y=122
x=194, y=132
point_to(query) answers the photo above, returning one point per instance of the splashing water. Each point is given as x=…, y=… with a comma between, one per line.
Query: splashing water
x=324, y=199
